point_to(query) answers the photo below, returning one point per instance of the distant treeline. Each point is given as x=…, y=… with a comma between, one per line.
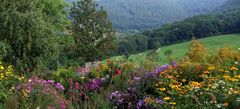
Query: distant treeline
x=197, y=26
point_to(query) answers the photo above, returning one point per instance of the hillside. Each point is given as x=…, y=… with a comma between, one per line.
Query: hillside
x=229, y=5
x=179, y=50
x=148, y=14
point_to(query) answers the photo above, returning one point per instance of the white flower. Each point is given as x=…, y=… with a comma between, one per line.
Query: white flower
x=158, y=50
x=29, y=80
x=238, y=99
x=236, y=63
x=219, y=105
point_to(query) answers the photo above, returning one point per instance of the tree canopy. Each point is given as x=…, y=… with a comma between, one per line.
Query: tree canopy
x=93, y=34
x=29, y=28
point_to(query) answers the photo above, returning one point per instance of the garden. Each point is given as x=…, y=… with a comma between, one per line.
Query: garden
x=198, y=80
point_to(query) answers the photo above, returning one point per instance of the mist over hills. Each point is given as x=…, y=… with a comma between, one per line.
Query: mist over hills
x=229, y=5
x=149, y=14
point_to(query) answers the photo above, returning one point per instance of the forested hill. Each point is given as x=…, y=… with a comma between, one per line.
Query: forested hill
x=199, y=26
x=148, y=14
x=229, y=5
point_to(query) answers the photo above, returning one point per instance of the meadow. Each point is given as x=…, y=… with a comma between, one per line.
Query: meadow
x=179, y=50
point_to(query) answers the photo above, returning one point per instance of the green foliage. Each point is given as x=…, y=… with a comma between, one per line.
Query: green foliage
x=92, y=32
x=30, y=30
x=179, y=50
x=132, y=44
x=63, y=74
x=4, y=50
x=199, y=26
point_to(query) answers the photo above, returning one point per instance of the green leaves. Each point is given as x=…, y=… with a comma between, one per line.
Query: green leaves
x=92, y=32
x=30, y=29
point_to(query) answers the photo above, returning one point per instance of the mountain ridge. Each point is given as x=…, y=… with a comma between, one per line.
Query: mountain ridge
x=138, y=15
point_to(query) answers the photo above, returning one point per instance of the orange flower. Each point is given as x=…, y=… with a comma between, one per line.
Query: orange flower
x=225, y=104
x=184, y=80
x=234, y=68
x=206, y=72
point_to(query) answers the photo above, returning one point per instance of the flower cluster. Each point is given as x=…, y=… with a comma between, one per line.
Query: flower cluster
x=123, y=100
x=82, y=71
x=5, y=71
x=42, y=86
x=149, y=102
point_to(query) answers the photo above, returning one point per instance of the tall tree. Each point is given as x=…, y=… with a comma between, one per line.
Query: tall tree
x=93, y=34
x=29, y=28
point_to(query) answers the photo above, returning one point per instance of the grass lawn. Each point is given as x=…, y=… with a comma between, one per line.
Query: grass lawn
x=179, y=50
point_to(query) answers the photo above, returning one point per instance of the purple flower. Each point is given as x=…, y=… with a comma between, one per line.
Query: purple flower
x=141, y=104
x=93, y=85
x=162, y=68
x=62, y=105
x=137, y=78
x=151, y=74
x=174, y=64
x=59, y=86
x=51, y=81
x=160, y=101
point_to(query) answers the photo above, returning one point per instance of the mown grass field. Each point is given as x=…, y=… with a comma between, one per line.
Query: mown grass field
x=179, y=50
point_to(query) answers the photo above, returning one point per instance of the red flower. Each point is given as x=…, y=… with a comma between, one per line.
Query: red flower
x=118, y=71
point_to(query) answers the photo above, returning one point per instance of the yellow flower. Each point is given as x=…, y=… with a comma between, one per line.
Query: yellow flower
x=221, y=70
x=8, y=73
x=173, y=103
x=166, y=98
x=195, y=84
x=21, y=78
x=233, y=80
x=237, y=76
x=226, y=77
x=184, y=80
x=211, y=68
x=162, y=89
x=148, y=100
x=1, y=67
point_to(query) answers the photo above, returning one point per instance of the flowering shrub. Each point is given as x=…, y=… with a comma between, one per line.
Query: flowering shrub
x=37, y=92
x=165, y=87
x=189, y=83
x=8, y=81
x=123, y=100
